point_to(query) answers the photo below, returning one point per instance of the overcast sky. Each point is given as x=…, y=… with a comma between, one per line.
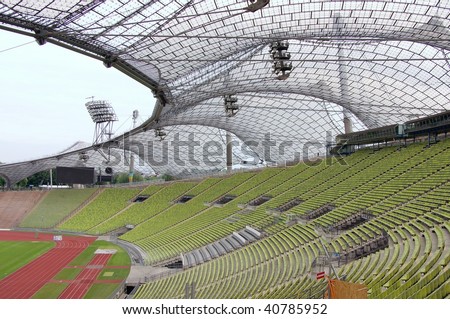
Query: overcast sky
x=43, y=90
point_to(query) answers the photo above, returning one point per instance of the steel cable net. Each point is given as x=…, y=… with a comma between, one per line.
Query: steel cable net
x=377, y=62
x=187, y=150
x=78, y=155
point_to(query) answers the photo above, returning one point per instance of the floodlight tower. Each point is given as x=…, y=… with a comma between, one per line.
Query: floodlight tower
x=103, y=115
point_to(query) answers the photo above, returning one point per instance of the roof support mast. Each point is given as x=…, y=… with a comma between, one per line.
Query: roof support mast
x=343, y=81
x=229, y=153
x=131, y=172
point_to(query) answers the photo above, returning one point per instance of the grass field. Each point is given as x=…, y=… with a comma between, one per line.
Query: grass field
x=55, y=206
x=101, y=291
x=14, y=255
x=113, y=274
x=98, y=290
x=50, y=291
x=121, y=258
x=67, y=274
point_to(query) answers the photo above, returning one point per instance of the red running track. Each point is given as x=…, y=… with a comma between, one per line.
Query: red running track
x=26, y=281
x=79, y=287
x=24, y=236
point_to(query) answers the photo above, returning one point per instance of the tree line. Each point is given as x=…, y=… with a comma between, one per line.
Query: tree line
x=43, y=178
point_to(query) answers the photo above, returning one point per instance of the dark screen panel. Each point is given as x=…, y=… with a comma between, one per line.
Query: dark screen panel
x=104, y=178
x=74, y=175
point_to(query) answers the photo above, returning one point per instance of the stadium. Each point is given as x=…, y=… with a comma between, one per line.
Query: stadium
x=297, y=149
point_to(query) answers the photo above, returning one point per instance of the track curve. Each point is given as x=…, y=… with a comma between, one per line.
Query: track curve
x=26, y=281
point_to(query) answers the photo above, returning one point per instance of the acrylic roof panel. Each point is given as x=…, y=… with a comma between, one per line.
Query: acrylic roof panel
x=167, y=34
x=378, y=62
x=181, y=154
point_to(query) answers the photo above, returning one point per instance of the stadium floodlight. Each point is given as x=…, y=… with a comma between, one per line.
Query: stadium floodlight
x=280, y=56
x=231, y=106
x=159, y=132
x=103, y=115
x=82, y=156
x=101, y=111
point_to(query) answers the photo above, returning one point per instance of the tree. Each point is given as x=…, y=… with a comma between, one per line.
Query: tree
x=23, y=183
x=167, y=177
x=123, y=178
x=2, y=181
x=41, y=178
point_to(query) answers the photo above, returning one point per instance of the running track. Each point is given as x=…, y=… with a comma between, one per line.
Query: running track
x=78, y=288
x=26, y=281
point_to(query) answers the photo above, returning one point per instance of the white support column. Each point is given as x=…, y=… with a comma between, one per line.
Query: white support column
x=348, y=127
x=229, y=141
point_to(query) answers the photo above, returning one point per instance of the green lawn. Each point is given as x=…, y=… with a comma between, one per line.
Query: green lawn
x=14, y=255
x=101, y=291
x=68, y=274
x=113, y=274
x=121, y=258
x=50, y=291
x=55, y=206
x=97, y=291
